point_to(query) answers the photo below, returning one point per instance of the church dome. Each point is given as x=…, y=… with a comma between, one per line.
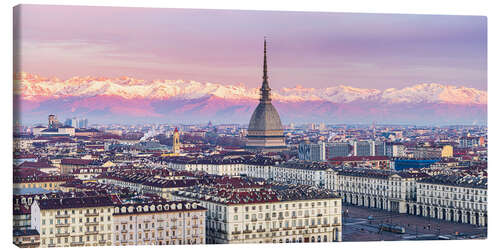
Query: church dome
x=265, y=117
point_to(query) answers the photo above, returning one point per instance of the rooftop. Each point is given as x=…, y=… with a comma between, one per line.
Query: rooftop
x=76, y=202
x=456, y=180
x=166, y=206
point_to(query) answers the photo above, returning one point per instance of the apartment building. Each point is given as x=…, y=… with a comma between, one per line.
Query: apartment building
x=65, y=222
x=387, y=190
x=231, y=166
x=27, y=238
x=45, y=181
x=312, y=174
x=160, y=223
x=268, y=214
x=461, y=199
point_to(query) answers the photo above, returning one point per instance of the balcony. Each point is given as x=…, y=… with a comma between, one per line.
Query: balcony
x=62, y=225
x=247, y=231
x=261, y=230
x=301, y=227
x=91, y=232
x=268, y=218
x=253, y=219
x=325, y=225
x=236, y=232
x=62, y=234
x=91, y=223
x=75, y=244
x=274, y=229
x=123, y=231
x=102, y=241
x=287, y=228
x=91, y=214
x=63, y=216
x=313, y=226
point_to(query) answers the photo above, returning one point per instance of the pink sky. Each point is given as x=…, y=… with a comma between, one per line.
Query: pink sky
x=309, y=49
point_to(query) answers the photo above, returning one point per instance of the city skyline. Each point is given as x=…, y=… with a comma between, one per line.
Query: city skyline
x=142, y=126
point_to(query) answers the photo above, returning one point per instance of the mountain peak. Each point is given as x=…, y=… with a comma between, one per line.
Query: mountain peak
x=32, y=86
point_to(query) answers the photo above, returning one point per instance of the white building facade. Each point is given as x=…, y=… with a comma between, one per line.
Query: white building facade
x=167, y=223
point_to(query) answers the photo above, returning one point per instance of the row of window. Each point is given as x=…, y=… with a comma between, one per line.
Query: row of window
x=78, y=239
x=166, y=224
x=452, y=189
x=73, y=220
x=74, y=229
x=80, y=211
x=286, y=206
x=160, y=234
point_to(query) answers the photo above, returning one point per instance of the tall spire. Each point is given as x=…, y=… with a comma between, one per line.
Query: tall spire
x=264, y=90
x=264, y=77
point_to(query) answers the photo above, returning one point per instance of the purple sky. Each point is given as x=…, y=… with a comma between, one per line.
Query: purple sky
x=304, y=48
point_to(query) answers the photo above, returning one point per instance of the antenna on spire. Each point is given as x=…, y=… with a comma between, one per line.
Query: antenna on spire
x=265, y=61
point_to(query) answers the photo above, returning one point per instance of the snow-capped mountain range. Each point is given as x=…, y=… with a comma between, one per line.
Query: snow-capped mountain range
x=119, y=98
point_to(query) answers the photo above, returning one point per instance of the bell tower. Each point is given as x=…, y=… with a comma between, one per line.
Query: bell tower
x=176, y=145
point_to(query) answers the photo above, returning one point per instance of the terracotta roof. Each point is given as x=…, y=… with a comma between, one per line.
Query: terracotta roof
x=97, y=201
x=28, y=164
x=76, y=161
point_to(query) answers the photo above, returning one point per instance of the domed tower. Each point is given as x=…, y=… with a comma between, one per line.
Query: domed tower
x=265, y=132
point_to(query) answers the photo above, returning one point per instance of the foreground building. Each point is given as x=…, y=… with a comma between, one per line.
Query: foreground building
x=452, y=198
x=165, y=223
x=66, y=222
x=268, y=214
